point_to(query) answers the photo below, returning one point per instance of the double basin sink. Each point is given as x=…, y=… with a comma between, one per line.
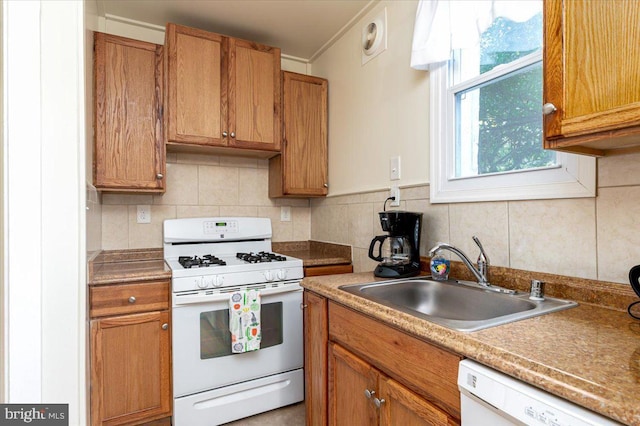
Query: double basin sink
x=460, y=305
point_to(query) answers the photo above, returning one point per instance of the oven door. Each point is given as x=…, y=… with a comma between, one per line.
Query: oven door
x=202, y=357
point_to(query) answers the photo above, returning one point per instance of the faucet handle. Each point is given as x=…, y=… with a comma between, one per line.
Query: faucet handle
x=483, y=259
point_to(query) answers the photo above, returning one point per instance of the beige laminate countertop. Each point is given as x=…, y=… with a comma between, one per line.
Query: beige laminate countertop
x=589, y=354
x=123, y=266
x=315, y=253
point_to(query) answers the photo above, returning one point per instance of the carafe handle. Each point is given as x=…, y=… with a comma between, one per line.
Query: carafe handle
x=379, y=238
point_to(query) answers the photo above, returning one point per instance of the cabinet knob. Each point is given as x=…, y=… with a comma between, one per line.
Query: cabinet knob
x=159, y=176
x=302, y=306
x=225, y=134
x=369, y=393
x=165, y=326
x=378, y=402
x=132, y=299
x=548, y=108
x=326, y=185
x=233, y=134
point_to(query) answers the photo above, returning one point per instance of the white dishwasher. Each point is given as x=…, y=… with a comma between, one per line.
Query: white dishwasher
x=491, y=398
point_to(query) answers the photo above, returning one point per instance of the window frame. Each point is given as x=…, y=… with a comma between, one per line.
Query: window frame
x=573, y=177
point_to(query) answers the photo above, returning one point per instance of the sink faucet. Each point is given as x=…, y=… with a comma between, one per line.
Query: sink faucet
x=481, y=272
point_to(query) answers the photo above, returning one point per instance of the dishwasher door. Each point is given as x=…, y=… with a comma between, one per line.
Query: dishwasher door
x=488, y=397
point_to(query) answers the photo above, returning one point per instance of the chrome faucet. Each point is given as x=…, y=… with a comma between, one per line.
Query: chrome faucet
x=481, y=272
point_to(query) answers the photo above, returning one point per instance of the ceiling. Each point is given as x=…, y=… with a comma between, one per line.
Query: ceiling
x=299, y=27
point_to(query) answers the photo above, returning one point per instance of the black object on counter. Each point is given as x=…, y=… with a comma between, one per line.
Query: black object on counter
x=634, y=279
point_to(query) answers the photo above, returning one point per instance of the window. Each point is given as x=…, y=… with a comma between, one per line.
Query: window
x=486, y=108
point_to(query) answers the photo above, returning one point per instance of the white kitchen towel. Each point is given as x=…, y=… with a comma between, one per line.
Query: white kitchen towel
x=244, y=321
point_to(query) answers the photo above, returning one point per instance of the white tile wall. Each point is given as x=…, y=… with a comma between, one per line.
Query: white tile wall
x=595, y=238
x=201, y=185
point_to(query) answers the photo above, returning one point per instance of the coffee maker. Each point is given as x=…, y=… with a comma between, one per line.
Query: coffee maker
x=399, y=251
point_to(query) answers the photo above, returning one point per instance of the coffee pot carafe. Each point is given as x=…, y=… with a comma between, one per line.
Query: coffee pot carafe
x=397, y=252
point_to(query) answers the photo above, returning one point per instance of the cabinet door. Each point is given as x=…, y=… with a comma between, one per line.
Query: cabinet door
x=316, y=336
x=403, y=407
x=196, y=86
x=591, y=74
x=304, y=152
x=130, y=368
x=349, y=378
x=254, y=96
x=129, y=149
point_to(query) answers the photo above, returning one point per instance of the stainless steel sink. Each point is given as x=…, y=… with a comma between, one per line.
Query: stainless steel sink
x=460, y=305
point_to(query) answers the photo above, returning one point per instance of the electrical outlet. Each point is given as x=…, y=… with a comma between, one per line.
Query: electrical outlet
x=144, y=214
x=394, y=192
x=285, y=214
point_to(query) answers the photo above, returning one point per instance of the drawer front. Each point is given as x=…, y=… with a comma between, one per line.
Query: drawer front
x=129, y=298
x=426, y=369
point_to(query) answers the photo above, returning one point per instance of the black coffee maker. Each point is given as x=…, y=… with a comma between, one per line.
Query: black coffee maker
x=399, y=251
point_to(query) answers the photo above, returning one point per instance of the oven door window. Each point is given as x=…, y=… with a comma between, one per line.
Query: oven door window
x=215, y=337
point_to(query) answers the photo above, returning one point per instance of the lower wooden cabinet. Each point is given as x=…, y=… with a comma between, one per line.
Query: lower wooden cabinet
x=316, y=333
x=359, y=394
x=130, y=357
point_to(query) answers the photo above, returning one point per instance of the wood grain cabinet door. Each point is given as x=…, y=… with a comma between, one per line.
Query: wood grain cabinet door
x=591, y=71
x=196, y=86
x=129, y=151
x=254, y=95
x=349, y=378
x=303, y=163
x=130, y=368
x=403, y=407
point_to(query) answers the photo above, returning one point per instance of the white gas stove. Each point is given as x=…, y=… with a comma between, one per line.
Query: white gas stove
x=215, y=253
x=211, y=259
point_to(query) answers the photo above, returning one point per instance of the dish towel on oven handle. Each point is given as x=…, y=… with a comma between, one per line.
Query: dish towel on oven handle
x=244, y=321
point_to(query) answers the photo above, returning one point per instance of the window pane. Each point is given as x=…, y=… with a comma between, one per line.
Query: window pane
x=499, y=125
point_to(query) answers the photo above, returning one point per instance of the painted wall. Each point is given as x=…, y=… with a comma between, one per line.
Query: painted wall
x=377, y=110
x=369, y=105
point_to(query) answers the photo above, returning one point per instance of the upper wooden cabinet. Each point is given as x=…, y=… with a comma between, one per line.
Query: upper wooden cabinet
x=301, y=169
x=129, y=151
x=591, y=76
x=221, y=91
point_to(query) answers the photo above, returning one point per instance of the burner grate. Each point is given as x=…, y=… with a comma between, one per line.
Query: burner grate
x=205, y=261
x=260, y=257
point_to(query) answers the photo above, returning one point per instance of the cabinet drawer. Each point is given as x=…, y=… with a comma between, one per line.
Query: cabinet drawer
x=129, y=298
x=314, y=271
x=426, y=369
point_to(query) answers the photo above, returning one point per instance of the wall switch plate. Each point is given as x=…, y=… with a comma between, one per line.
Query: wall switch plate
x=285, y=214
x=143, y=214
x=394, y=192
x=394, y=168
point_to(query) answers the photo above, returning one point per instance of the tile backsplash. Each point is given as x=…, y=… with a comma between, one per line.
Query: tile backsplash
x=594, y=238
x=202, y=185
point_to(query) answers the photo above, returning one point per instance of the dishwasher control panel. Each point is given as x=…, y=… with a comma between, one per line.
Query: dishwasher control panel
x=491, y=397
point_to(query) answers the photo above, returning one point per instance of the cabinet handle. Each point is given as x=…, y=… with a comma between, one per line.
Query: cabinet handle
x=548, y=108
x=225, y=134
x=369, y=393
x=165, y=326
x=233, y=134
x=159, y=176
x=378, y=402
x=132, y=299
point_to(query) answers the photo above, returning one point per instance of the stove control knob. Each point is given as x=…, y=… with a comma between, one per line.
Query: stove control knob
x=201, y=282
x=268, y=275
x=218, y=280
x=282, y=274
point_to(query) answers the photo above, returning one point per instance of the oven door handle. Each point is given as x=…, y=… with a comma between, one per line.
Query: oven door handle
x=201, y=296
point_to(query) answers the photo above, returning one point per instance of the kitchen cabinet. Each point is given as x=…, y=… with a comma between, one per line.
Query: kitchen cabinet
x=130, y=353
x=348, y=353
x=221, y=92
x=301, y=169
x=591, y=69
x=129, y=151
x=362, y=395
x=315, y=358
